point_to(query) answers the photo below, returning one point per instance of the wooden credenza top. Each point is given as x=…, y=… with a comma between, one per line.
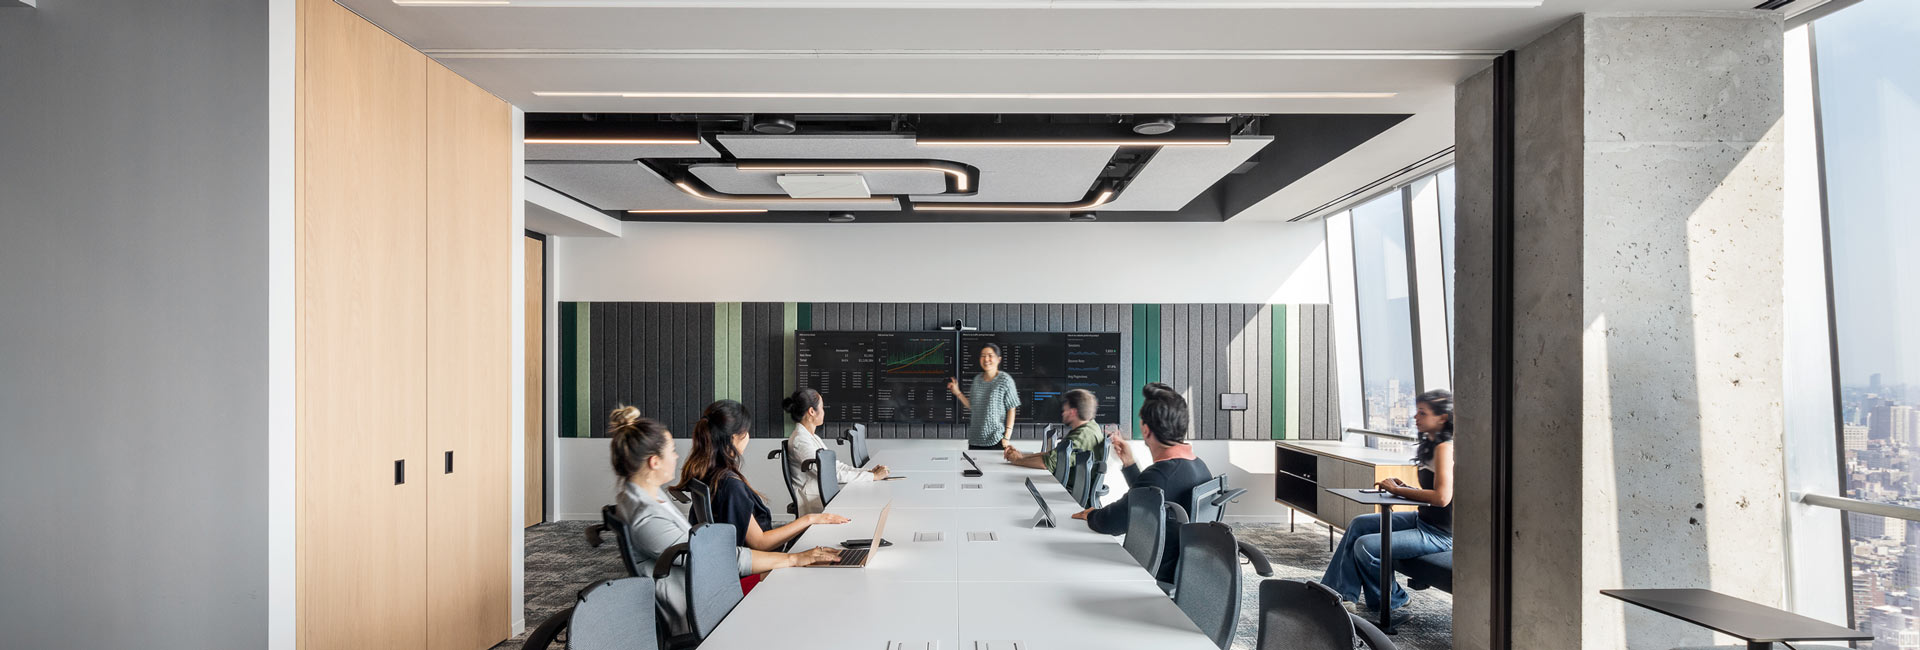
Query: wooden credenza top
x=1348, y=451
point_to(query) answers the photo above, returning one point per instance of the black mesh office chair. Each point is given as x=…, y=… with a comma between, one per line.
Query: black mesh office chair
x=610, y=520
x=1089, y=478
x=1207, y=579
x=701, y=498
x=855, y=438
x=1063, y=469
x=1210, y=499
x=1146, y=526
x=713, y=579
x=825, y=465
x=1306, y=615
x=1049, y=436
x=786, y=476
x=1177, y=516
x=603, y=619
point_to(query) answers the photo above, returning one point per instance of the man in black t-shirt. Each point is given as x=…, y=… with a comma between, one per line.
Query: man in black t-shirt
x=1175, y=470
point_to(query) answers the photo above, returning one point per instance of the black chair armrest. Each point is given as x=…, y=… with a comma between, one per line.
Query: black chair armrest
x=595, y=535
x=1228, y=496
x=1178, y=513
x=679, y=495
x=844, y=438
x=774, y=454
x=1376, y=640
x=809, y=464
x=664, y=566
x=542, y=637
x=1258, y=559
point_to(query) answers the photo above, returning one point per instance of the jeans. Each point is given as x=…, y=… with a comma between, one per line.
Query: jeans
x=1356, y=563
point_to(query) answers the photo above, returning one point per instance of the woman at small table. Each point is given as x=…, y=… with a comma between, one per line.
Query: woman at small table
x=1354, y=571
x=990, y=402
x=644, y=459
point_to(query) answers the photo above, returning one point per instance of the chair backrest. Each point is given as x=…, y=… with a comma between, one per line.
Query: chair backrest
x=786, y=475
x=856, y=436
x=1146, y=526
x=829, y=461
x=610, y=517
x=701, y=510
x=1089, y=476
x=1206, y=581
x=1063, y=470
x=1302, y=615
x=713, y=576
x=1201, y=509
x=614, y=615
x=1049, y=436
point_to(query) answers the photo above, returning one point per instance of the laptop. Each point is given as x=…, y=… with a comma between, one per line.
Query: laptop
x=858, y=557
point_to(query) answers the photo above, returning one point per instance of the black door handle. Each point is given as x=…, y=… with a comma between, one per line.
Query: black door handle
x=400, y=471
x=449, y=462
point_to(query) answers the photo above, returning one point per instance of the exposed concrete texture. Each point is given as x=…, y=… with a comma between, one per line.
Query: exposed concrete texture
x=1648, y=334
x=1472, y=387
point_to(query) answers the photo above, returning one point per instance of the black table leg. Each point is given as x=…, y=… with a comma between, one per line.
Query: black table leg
x=1386, y=569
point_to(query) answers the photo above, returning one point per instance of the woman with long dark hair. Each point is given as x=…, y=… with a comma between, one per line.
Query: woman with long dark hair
x=1354, y=572
x=643, y=458
x=723, y=428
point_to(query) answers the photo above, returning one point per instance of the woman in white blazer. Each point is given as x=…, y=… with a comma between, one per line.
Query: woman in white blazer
x=809, y=412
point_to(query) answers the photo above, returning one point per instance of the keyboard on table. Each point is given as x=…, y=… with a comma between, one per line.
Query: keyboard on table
x=851, y=556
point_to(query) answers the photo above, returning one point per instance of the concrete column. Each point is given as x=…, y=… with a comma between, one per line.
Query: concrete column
x=1648, y=326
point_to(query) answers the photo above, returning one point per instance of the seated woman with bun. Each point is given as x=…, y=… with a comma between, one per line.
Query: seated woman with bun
x=644, y=459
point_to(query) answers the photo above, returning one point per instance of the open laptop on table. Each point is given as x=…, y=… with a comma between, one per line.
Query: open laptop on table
x=858, y=557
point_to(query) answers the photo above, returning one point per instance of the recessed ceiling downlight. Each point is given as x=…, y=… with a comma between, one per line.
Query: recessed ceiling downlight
x=840, y=217
x=1156, y=125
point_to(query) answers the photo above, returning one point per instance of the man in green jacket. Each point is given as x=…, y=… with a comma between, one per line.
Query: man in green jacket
x=1077, y=409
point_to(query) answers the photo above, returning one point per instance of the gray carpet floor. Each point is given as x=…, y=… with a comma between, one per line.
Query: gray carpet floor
x=560, y=564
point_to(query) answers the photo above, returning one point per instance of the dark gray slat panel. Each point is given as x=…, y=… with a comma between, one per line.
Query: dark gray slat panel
x=1245, y=318
x=1175, y=364
x=1057, y=317
x=1209, y=373
x=696, y=351
x=765, y=418
x=1195, y=368
x=940, y=313
x=658, y=336
x=1234, y=330
x=1223, y=362
x=773, y=358
x=1029, y=318
x=1083, y=318
x=1168, y=339
x=760, y=367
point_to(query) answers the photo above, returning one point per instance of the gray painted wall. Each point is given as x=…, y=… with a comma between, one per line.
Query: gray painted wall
x=133, y=365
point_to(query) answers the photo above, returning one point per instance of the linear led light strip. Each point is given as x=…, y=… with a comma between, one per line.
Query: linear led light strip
x=808, y=95
x=612, y=141
x=685, y=187
x=1105, y=196
x=700, y=211
x=960, y=179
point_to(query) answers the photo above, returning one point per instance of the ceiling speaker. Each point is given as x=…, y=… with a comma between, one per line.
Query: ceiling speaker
x=840, y=217
x=1156, y=125
x=775, y=124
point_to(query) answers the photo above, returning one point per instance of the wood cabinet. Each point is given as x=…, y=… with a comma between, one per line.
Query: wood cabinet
x=1307, y=468
x=403, y=248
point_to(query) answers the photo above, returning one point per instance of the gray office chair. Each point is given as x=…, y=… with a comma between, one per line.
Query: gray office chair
x=610, y=520
x=824, y=465
x=1049, y=436
x=1207, y=580
x=1305, y=615
x=1090, y=478
x=701, y=498
x=855, y=438
x=603, y=619
x=1177, y=517
x=1063, y=470
x=1210, y=499
x=786, y=476
x=1146, y=526
x=713, y=579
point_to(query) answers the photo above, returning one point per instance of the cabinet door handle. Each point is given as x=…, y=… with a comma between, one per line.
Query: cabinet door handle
x=400, y=472
x=449, y=462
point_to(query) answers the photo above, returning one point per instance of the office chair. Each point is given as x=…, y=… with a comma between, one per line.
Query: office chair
x=1049, y=436
x=712, y=579
x=603, y=619
x=786, y=476
x=1146, y=526
x=1177, y=516
x=610, y=519
x=1207, y=579
x=1088, y=480
x=855, y=437
x=701, y=498
x=1210, y=499
x=824, y=462
x=1305, y=615
x=1063, y=469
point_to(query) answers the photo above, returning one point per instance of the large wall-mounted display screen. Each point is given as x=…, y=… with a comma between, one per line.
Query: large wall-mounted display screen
x=902, y=376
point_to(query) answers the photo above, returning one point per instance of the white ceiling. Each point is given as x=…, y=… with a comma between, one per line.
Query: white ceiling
x=1404, y=55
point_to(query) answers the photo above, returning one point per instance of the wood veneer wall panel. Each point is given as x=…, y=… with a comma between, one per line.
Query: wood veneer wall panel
x=534, y=440
x=469, y=372
x=361, y=404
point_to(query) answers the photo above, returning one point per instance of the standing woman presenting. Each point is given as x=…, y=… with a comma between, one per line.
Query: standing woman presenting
x=990, y=402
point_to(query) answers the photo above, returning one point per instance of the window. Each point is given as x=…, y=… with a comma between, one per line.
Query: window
x=1385, y=312
x=1444, y=186
x=1868, y=95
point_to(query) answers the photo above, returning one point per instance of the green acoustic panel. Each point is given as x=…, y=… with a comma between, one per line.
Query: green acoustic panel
x=576, y=367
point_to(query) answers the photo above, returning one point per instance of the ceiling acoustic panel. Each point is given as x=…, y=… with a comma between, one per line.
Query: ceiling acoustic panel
x=1008, y=174
x=619, y=152
x=723, y=177
x=1175, y=175
x=630, y=186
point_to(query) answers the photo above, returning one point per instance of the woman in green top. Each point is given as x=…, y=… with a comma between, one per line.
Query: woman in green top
x=990, y=402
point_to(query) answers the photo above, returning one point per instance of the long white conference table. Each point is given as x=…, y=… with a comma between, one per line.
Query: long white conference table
x=944, y=586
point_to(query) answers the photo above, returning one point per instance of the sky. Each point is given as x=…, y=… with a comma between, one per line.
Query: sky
x=1868, y=60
